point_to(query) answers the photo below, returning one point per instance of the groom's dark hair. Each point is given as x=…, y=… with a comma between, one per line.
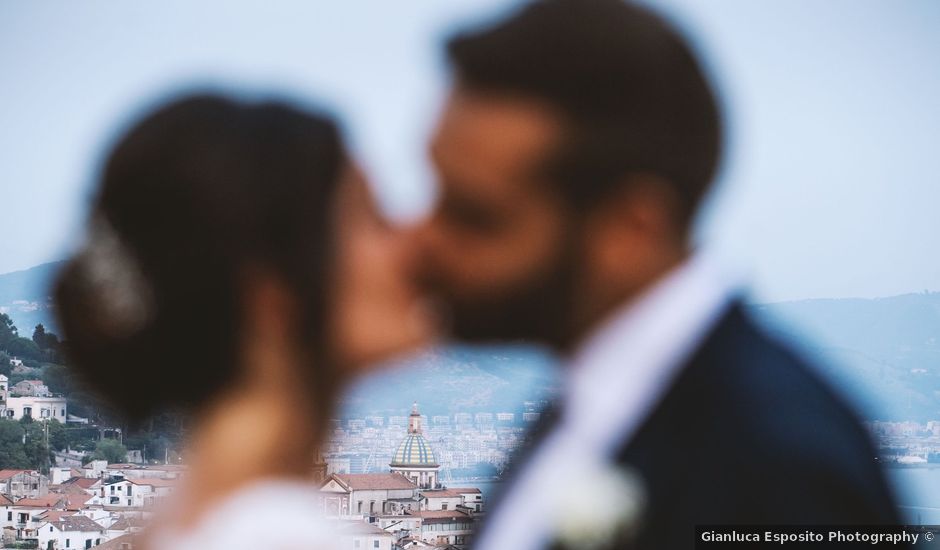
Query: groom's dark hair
x=632, y=97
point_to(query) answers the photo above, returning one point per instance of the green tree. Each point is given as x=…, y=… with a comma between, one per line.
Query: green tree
x=47, y=342
x=110, y=450
x=7, y=330
x=12, y=450
x=39, y=336
x=59, y=439
x=82, y=439
x=24, y=348
x=6, y=368
x=38, y=451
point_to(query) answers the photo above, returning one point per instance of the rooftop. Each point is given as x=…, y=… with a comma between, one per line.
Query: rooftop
x=116, y=543
x=446, y=493
x=465, y=490
x=48, y=501
x=441, y=516
x=7, y=474
x=83, y=482
x=359, y=482
x=414, y=450
x=76, y=522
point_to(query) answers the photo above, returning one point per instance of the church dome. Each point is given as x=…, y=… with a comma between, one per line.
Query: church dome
x=414, y=450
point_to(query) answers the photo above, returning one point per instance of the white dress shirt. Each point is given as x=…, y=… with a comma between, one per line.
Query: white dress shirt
x=611, y=384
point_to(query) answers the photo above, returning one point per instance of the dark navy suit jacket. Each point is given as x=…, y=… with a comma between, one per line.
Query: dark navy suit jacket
x=747, y=434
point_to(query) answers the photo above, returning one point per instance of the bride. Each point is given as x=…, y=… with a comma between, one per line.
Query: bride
x=236, y=269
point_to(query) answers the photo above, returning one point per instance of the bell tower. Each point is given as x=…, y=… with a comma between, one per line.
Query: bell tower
x=414, y=420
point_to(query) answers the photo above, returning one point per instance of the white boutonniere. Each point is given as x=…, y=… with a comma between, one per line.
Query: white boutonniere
x=598, y=506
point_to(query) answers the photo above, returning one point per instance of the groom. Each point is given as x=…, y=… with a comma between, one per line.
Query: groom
x=572, y=155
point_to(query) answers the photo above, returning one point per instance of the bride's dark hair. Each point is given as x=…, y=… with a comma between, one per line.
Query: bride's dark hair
x=192, y=196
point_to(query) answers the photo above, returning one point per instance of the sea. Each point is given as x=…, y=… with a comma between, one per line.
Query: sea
x=918, y=493
x=917, y=490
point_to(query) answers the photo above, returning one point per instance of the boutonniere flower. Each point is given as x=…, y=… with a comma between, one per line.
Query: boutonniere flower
x=599, y=506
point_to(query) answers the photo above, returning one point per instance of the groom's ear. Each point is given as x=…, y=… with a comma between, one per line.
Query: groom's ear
x=635, y=229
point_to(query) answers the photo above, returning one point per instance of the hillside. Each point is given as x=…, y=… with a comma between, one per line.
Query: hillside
x=457, y=379
x=24, y=296
x=883, y=353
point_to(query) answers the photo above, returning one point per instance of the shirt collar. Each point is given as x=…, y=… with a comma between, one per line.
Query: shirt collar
x=623, y=368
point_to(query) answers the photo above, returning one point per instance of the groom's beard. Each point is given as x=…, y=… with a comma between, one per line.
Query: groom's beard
x=538, y=309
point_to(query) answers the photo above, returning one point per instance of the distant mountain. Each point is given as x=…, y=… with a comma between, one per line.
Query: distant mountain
x=24, y=296
x=883, y=353
x=457, y=379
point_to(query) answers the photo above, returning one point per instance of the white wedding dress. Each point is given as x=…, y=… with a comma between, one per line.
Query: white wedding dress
x=270, y=514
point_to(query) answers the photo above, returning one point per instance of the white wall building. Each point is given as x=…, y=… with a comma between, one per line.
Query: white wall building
x=67, y=532
x=38, y=408
x=361, y=495
x=445, y=527
x=133, y=493
x=4, y=387
x=365, y=536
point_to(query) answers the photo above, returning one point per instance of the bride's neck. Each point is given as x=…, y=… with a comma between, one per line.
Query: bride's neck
x=262, y=427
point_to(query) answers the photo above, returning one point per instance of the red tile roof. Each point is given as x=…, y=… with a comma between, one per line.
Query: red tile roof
x=115, y=543
x=54, y=515
x=83, y=482
x=442, y=493
x=127, y=523
x=465, y=490
x=7, y=474
x=76, y=522
x=77, y=502
x=48, y=501
x=360, y=482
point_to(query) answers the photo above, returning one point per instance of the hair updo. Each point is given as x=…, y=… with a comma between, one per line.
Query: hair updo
x=194, y=193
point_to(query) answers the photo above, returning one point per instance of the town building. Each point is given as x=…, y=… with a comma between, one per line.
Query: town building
x=23, y=484
x=465, y=499
x=30, y=388
x=134, y=493
x=445, y=527
x=70, y=531
x=363, y=495
x=36, y=407
x=365, y=536
x=414, y=458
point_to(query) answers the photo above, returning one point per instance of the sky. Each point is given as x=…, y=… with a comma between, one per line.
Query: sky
x=830, y=185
